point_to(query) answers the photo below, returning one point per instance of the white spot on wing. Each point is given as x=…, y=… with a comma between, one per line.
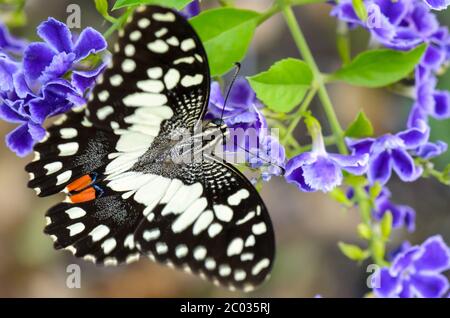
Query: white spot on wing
x=53, y=167
x=63, y=177
x=164, y=17
x=235, y=247
x=171, y=78
x=260, y=266
x=99, y=232
x=223, y=212
x=236, y=198
x=68, y=133
x=75, y=213
x=158, y=46
x=189, y=81
x=76, y=228
x=68, y=149
x=188, y=45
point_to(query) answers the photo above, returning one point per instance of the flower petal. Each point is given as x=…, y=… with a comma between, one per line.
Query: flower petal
x=416, y=116
x=7, y=69
x=59, y=66
x=360, y=146
x=8, y=42
x=10, y=114
x=89, y=41
x=415, y=137
x=82, y=80
x=436, y=256
x=441, y=108
x=386, y=285
x=56, y=34
x=294, y=171
x=355, y=164
x=36, y=58
x=403, y=165
x=20, y=141
x=433, y=57
x=405, y=260
x=438, y=4
x=21, y=86
x=432, y=150
x=323, y=174
x=429, y=286
x=380, y=168
x=36, y=131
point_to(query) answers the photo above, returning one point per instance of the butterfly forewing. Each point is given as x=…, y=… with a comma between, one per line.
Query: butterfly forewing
x=124, y=196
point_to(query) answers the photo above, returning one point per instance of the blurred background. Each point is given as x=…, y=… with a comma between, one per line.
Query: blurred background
x=307, y=226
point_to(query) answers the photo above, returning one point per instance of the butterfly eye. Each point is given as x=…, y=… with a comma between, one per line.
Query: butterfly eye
x=218, y=122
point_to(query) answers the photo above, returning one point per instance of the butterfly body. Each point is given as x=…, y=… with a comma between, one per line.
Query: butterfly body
x=139, y=169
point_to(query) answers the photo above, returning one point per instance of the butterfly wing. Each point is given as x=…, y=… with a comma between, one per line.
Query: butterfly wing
x=214, y=224
x=158, y=81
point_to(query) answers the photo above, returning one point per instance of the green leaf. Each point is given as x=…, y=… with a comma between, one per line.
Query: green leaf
x=360, y=9
x=353, y=252
x=177, y=4
x=361, y=127
x=364, y=231
x=386, y=225
x=226, y=34
x=284, y=85
x=379, y=68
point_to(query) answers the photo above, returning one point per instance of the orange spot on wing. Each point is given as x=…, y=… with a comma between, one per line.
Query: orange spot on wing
x=79, y=184
x=84, y=196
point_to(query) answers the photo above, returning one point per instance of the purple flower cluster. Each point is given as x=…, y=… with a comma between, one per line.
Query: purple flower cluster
x=44, y=79
x=416, y=271
x=248, y=128
x=403, y=25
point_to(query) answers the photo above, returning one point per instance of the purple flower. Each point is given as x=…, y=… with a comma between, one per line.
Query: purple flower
x=391, y=152
x=242, y=108
x=51, y=80
x=60, y=53
x=438, y=4
x=249, y=133
x=319, y=170
x=269, y=157
x=8, y=43
x=402, y=215
x=191, y=10
x=416, y=272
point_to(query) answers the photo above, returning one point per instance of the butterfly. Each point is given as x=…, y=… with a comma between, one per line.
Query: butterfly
x=126, y=196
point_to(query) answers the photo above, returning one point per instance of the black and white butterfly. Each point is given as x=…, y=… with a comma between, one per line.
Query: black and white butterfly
x=126, y=197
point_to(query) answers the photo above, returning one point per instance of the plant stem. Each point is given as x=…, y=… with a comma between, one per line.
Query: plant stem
x=119, y=22
x=338, y=133
x=299, y=114
x=303, y=47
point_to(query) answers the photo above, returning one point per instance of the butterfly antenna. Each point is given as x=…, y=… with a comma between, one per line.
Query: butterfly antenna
x=233, y=80
x=283, y=170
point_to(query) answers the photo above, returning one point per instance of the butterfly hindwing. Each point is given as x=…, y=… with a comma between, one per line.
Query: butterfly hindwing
x=72, y=149
x=214, y=224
